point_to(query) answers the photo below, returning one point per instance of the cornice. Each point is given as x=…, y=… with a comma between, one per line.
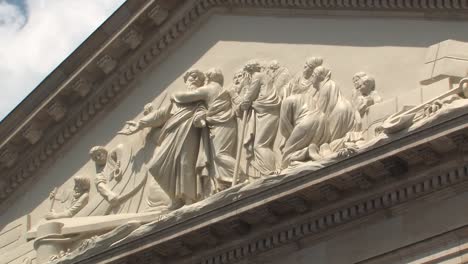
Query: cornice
x=141, y=33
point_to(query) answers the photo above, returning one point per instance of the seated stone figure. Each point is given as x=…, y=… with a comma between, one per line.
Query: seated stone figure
x=313, y=122
x=295, y=94
x=364, y=94
x=79, y=201
x=107, y=167
x=302, y=82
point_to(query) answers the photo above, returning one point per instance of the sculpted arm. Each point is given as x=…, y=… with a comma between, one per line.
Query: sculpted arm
x=72, y=210
x=78, y=205
x=153, y=119
x=252, y=91
x=200, y=94
x=157, y=118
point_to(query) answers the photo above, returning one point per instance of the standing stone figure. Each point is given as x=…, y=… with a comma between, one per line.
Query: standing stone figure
x=279, y=75
x=174, y=161
x=364, y=94
x=216, y=159
x=262, y=104
x=80, y=199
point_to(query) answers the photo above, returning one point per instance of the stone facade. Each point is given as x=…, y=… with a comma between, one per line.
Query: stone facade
x=246, y=132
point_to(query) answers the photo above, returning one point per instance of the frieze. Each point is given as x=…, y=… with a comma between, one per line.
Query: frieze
x=199, y=127
x=306, y=223
x=187, y=17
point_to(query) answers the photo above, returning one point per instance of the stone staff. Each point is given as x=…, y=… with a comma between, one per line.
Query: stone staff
x=404, y=120
x=239, y=149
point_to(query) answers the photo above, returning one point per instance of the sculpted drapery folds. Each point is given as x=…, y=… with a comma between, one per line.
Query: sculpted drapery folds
x=280, y=77
x=314, y=122
x=195, y=154
x=216, y=158
x=300, y=122
x=174, y=161
x=302, y=82
x=262, y=104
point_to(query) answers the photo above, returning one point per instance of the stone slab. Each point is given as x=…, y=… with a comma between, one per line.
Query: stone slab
x=380, y=111
x=433, y=90
x=410, y=98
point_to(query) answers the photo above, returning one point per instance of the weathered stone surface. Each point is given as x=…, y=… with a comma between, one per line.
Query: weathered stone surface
x=182, y=151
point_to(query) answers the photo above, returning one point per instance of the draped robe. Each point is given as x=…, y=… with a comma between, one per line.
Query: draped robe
x=218, y=144
x=262, y=124
x=314, y=121
x=174, y=160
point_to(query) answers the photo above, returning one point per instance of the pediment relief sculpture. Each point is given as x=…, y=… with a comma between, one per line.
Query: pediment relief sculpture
x=210, y=141
x=79, y=199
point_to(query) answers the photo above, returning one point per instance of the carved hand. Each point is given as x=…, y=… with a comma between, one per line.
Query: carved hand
x=369, y=101
x=200, y=119
x=431, y=109
x=51, y=215
x=52, y=194
x=131, y=127
x=245, y=105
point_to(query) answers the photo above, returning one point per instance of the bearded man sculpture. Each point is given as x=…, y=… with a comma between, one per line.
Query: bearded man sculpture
x=174, y=161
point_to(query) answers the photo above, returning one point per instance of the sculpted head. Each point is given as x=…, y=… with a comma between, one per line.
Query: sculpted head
x=194, y=78
x=215, y=75
x=272, y=67
x=252, y=66
x=99, y=155
x=239, y=80
x=239, y=77
x=319, y=74
x=82, y=185
x=363, y=83
x=309, y=66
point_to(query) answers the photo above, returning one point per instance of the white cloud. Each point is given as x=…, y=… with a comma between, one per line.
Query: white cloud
x=30, y=48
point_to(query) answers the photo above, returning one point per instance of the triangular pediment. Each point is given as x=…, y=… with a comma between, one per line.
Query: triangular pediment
x=408, y=116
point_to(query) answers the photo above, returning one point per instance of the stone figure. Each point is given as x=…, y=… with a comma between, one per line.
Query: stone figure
x=80, y=199
x=293, y=100
x=279, y=75
x=218, y=148
x=302, y=82
x=240, y=79
x=344, y=123
x=364, y=94
x=107, y=169
x=174, y=161
x=262, y=106
x=312, y=121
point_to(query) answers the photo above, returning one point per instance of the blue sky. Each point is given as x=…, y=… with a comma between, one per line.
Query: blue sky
x=21, y=4
x=37, y=35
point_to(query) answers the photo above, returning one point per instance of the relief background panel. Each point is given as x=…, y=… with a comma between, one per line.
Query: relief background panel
x=393, y=50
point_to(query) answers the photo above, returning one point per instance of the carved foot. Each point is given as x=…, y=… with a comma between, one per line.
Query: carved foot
x=176, y=204
x=346, y=152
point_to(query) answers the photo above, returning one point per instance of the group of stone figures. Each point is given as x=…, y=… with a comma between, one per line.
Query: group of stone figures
x=212, y=137
x=208, y=128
